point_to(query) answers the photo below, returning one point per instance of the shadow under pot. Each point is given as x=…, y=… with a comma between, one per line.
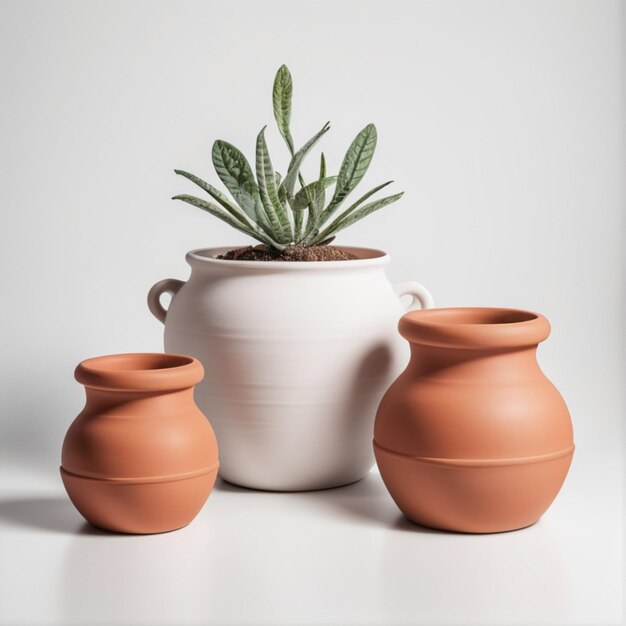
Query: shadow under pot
x=472, y=437
x=141, y=457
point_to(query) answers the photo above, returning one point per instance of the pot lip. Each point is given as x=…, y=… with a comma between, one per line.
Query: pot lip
x=140, y=371
x=368, y=257
x=474, y=327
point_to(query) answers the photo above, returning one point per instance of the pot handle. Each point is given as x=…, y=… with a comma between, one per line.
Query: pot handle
x=169, y=285
x=421, y=298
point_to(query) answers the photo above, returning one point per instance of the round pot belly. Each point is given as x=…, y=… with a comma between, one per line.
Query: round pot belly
x=139, y=508
x=475, y=497
x=297, y=357
x=294, y=414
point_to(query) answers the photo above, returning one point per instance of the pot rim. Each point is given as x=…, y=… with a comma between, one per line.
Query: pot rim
x=140, y=371
x=367, y=257
x=474, y=327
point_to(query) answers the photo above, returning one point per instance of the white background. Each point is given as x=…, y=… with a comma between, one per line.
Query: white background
x=503, y=123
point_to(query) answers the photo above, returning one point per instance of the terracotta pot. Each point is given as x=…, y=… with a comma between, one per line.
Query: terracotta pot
x=141, y=457
x=297, y=357
x=472, y=436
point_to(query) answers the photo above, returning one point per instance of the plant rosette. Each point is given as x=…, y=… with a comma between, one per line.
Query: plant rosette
x=284, y=213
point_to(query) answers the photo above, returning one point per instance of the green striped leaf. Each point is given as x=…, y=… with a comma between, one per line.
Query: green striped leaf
x=266, y=177
x=310, y=193
x=313, y=232
x=235, y=172
x=353, y=168
x=293, y=173
x=281, y=99
x=216, y=211
x=318, y=203
x=294, y=166
x=261, y=217
x=326, y=241
x=282, y=196
x=218, y=196
x=355, y=216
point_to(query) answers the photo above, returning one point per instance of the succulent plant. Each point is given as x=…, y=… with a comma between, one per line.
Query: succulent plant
x=287, y=211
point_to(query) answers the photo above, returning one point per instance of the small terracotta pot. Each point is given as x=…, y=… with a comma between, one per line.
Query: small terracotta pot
x=472, y=436
x=141, y=457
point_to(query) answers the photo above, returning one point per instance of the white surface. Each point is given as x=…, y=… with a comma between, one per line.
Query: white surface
x=503, y=122
x=341, y=556
x=293, y=378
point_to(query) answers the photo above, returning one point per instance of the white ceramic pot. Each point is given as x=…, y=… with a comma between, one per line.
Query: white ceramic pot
x=297, y=356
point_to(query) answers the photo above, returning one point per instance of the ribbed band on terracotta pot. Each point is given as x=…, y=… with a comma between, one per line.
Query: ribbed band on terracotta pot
x=140, y=372
x=480, y=328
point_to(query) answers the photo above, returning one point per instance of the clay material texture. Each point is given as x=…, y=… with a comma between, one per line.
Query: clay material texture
x=472, y=436
x=297, y=357
x=140, y=457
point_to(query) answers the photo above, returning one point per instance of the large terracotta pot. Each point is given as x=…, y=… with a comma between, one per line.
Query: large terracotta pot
x=472, y=436
x=297, y=357
x=141, y=457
